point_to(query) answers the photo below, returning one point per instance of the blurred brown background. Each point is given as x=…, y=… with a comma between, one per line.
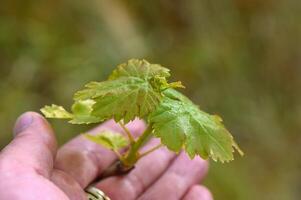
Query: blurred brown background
x=240, y=59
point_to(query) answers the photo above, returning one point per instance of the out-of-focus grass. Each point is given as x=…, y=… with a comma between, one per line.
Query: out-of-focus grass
x=240, y=59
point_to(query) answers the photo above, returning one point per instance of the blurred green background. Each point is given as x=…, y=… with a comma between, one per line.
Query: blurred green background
x=240, y=59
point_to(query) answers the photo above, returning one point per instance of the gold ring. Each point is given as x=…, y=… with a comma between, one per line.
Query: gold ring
x=96, y=194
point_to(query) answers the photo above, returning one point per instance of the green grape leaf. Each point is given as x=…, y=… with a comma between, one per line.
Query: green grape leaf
x=181, y=124
x=133, y=90
x=140, y=69
x=124, y=98
x=109, y=140
x=55, y=111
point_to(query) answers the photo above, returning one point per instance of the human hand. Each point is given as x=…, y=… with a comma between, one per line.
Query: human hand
x=31, y=168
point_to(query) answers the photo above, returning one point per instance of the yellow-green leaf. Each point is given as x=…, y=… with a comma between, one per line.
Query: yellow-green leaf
x=109, y=140
x=81, y=112
x=55, y=111
x=140, y=69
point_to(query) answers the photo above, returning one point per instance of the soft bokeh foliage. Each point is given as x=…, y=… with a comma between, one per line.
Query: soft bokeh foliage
x=240, y=59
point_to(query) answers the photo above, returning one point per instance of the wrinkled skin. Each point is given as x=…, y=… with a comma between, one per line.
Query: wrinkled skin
x=32, y=168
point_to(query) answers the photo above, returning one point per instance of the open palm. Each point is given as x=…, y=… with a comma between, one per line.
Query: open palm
x=31, y=168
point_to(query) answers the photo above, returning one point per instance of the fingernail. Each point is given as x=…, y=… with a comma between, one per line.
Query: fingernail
x=23, y=122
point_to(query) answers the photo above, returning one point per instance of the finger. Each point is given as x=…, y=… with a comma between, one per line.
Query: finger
x=84, y=160
x=33, y=147
x=146, y=171
x=179, y=177
x=198, y=192
x=68, y=185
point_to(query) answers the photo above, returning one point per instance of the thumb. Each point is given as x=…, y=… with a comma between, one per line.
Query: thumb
x=33, y=147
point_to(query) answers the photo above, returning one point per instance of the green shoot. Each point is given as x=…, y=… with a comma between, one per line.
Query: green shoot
x=138, y=89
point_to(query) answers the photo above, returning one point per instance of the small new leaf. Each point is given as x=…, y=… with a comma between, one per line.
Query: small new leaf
x=109, y=140
x=55, y=111
x=180, y=124
x=81, y=112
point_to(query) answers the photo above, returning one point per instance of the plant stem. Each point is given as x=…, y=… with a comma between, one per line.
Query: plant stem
x=150, y=150
x=118, y=155
x=133, y=154
x=127, y=131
